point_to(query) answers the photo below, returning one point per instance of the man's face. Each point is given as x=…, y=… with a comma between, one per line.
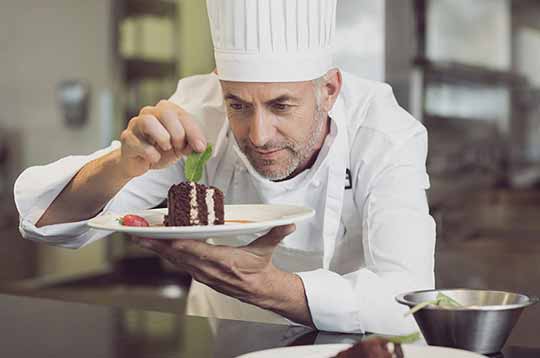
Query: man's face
x=278, y=126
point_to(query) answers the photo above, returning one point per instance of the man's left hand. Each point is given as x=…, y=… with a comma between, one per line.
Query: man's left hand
x=246, y=272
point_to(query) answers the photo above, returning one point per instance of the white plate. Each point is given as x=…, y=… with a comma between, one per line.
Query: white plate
x=330, y=350
x=261, y=218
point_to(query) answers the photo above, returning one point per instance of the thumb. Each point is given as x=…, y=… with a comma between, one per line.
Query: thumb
x=267, y=243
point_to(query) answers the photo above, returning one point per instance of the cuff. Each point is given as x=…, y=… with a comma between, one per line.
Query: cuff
x=358, y=302
x=331, y=301
x=72, y=235
x=69, y=235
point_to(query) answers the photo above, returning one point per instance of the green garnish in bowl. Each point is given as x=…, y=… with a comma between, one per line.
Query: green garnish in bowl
x=405, y=339
x=441, y=300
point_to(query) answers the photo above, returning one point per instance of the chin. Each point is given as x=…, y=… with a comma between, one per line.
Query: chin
x=272, y=172
x=268, y=172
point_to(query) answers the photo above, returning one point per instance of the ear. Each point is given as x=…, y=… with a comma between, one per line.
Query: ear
x=331, y=89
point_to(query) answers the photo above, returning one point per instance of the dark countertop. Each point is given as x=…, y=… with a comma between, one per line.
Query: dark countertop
x=37, y=327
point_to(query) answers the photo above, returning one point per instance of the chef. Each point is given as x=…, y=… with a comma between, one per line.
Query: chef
x=288, y=127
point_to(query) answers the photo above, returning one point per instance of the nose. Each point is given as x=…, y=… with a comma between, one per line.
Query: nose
x=261, y=129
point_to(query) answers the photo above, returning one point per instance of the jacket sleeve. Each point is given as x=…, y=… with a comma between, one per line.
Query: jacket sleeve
x=37, y=187
x=398, y=236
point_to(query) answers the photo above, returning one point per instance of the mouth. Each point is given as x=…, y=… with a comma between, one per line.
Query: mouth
x=268, y=154
x=268, y=151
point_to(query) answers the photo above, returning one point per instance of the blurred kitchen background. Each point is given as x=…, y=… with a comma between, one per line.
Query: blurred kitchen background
x=73, y=72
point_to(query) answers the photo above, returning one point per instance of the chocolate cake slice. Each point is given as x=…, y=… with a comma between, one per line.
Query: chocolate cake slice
x=373, y=348
x=192, y=204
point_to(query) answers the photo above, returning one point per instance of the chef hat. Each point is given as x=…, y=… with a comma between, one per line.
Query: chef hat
x=272, y=40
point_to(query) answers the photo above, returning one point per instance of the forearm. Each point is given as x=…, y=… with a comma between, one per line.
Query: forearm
x=88, y=192
x=285, y=295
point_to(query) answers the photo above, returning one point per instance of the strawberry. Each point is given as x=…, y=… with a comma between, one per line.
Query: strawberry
x=133, y=220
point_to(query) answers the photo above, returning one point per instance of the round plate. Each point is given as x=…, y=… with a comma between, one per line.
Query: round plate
x=330, y=350
x=253, y=219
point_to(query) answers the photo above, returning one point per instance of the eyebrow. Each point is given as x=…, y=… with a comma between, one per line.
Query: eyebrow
x=282, y=98
x=232, y=97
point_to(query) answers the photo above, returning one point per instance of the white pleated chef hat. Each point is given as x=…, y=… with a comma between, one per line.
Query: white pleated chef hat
x=272, y=40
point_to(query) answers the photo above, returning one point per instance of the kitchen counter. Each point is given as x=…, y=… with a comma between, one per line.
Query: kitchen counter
x=37, y=327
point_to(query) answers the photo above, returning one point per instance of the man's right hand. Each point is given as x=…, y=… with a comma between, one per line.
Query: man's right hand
x=158, y=137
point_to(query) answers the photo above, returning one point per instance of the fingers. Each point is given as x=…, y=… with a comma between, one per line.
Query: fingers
x=201, y=250
x=169, y=120
x=174, y=127
x=147, y=243
x=151, y=110
x=265, y=244
x=170, y=127
x=193, y=256
x=188, y=251
x=175, y=133
x=142, y=149
x=194, y=135
x=162, y=248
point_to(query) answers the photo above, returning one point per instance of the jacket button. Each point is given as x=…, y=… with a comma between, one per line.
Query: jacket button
x=316, y=183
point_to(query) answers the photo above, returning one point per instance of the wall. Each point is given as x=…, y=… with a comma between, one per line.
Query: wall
x=47, y=42
x=400, y=49
x=526, y=59
x=196, y=54
x=526, y=31
x=484, y=23
x=360, y=35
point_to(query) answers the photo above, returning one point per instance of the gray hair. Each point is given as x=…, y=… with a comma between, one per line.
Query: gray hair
x=319, y=83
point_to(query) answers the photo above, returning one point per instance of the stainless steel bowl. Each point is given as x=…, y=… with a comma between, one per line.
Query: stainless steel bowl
x=482, y=325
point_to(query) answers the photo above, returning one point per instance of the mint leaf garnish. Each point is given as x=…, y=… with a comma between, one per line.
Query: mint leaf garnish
x=194, y=164
x=447, y=301
x=441, y=300
x=409, y=338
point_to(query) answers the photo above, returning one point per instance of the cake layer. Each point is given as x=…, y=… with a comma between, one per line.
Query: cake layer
x=219, y=207
x=194, y=204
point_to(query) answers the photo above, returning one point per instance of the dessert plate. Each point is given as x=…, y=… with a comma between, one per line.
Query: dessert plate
x=330, y=350
x=239, y=220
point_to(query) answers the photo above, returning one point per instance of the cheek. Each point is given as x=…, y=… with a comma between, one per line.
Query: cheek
x=297, y=126
x=240, y=129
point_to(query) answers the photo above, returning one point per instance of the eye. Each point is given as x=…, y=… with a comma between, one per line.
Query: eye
x=235, y=106
x=280, y=107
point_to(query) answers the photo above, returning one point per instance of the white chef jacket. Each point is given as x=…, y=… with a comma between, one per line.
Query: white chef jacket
x=371, y=238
